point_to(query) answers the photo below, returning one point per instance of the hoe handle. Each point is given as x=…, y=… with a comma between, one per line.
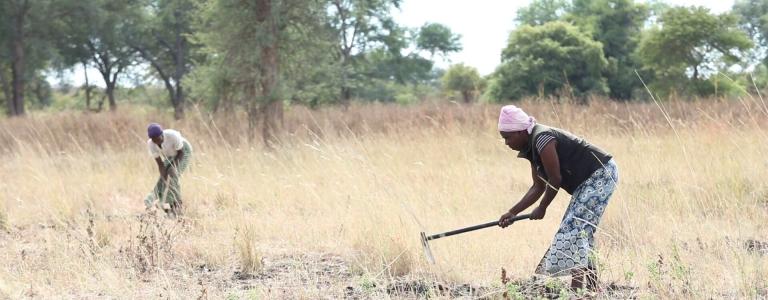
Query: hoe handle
x=473, y=228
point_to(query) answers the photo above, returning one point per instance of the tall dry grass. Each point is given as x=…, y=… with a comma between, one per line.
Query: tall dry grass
x=362, y=184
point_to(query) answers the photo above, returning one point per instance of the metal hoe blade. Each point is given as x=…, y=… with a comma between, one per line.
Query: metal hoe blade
x=427, y=251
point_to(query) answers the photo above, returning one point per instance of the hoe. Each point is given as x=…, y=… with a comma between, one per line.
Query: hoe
x=425, y=238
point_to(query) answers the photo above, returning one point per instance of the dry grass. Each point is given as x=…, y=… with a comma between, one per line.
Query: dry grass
x=360, y=185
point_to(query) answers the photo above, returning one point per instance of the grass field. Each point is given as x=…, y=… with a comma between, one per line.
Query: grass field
x=335, y=210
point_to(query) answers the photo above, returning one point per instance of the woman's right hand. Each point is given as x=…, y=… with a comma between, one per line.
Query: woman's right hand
x=171, y=172
x=506, y=219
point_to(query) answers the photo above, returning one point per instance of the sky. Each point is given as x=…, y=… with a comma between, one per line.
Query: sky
x=485, y=25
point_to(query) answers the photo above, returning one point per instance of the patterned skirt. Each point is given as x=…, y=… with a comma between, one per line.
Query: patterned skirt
x=573, y=245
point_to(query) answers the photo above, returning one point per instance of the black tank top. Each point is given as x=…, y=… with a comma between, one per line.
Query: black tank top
x=578, y=159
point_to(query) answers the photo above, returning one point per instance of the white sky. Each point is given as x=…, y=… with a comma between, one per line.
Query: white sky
x=485, y=25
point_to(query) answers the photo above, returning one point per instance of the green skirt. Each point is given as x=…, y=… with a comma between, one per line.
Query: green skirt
x=171, y=192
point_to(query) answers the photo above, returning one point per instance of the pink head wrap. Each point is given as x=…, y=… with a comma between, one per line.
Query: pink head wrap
x=512, y=118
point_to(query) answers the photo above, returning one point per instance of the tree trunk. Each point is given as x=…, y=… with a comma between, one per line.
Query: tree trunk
x=110, y=90
x=271, y=108
x=467, y=95
x=346, y=97
x=105, y=65
x=7, y=95
x=695, y=72
x=87, y=88
x=16, y=107
x=270, y=113
x=180, y=48
x=17, y=81
x=101, y=104
x=224, y=103
x=178, y=104
x=253, y=110
x=346, y=91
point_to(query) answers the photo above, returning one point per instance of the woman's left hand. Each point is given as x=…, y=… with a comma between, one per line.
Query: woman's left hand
x=538, y=213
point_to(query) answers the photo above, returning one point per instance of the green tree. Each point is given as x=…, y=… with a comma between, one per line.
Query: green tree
x=5, y=86
x=540, y=12
x=41, y=91
x=250, y=46
x=389, y=61
x=547, y=59
x=462, y=79
x=392, y=65
x=690, y=45
x=101, y=31
x=753, y=17
x=358, y=25
x=163, y=41
x=617, y=25
x=15, y=16
x=5, y=57
x=26, y=27
x=404, y=56
x=71, y=43
x=312, y=67
x=437, y=38
x=656, y=8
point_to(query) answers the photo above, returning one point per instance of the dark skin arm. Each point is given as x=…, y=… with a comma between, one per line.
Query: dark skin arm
x=551, y=164
x=161, y=167
x=164, y=172
x=178, y=158
x=552, y=167
x=529, y=199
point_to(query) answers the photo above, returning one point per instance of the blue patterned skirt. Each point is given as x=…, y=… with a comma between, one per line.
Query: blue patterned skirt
x=573, y=245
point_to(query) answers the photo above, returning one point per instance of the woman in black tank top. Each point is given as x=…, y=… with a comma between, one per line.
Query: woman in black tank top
x=559, y=159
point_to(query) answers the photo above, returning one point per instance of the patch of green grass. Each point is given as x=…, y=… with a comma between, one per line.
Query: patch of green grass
x=513, y=291
x=367, y=284
x=629, y=275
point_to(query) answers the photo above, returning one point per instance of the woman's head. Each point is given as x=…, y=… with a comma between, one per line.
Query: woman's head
x=515, y=126
x=155, y=132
